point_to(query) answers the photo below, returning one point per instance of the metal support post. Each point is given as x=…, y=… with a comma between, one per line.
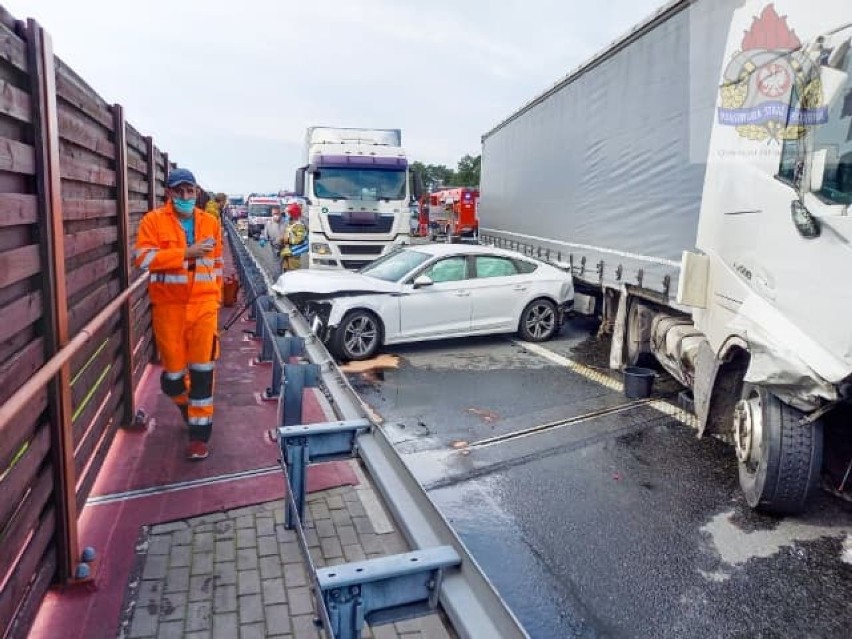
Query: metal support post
x=285, y=347
x=384, y=589
x=297, y=377
x=300, y=445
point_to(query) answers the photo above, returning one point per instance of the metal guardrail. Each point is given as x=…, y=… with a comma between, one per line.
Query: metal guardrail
x=465, y=593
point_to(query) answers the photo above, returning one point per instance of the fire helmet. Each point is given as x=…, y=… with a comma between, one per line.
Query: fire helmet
x=294, y=210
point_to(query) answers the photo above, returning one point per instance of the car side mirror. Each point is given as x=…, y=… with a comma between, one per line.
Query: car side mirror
x=422, y=281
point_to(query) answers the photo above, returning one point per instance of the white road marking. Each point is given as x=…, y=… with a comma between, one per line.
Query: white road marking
x=676, y=412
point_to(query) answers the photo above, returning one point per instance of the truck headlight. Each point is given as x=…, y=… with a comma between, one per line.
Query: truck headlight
x=320, y=249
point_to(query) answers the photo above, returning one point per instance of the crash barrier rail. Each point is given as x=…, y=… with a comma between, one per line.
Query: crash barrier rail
x=77, y=179
x=439, y=570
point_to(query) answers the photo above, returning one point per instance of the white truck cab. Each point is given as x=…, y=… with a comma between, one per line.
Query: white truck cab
x=358, y=187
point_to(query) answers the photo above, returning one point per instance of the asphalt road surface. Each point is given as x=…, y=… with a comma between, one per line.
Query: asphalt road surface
x=598, y=516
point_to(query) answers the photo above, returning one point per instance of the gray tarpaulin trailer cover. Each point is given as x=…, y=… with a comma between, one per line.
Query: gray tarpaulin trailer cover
x=609, y=163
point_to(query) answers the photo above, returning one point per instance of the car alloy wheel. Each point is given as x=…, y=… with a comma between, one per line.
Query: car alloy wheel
x=539, y=321
x=360, y=336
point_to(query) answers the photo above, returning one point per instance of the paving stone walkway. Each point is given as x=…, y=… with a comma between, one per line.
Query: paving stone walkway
x=241, y=573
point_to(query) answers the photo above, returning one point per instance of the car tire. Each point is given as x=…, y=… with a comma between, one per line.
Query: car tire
x=358, y=337
x=780, y=459
x=539, y=321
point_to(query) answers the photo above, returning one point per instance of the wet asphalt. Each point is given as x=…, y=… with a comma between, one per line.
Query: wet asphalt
x=612, y=519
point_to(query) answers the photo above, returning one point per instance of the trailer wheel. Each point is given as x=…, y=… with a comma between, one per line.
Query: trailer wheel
x=539, y=321
x=358, y=336
x=779, y=459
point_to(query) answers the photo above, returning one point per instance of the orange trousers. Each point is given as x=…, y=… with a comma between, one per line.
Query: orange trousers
x=187, y=339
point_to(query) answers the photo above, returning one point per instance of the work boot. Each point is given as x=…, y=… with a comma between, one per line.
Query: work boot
x=196, y=451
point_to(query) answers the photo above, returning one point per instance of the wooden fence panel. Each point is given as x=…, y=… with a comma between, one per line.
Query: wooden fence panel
x=107, y=176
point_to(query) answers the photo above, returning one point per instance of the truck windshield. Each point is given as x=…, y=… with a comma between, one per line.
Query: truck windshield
x=260, y=210
x=395, y=265
x=359, y=184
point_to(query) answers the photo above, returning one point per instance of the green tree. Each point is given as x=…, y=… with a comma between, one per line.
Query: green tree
x=467, y=173
x=434, y=175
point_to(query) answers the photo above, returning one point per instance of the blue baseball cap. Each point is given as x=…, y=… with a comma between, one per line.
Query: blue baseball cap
x=180, y=176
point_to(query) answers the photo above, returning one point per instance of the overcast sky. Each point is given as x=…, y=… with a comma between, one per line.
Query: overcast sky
x=228, y=88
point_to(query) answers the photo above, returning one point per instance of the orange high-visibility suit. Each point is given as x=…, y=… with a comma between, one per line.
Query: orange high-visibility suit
x=185, y=300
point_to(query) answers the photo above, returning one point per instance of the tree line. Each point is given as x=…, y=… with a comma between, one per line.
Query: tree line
x=466, y=173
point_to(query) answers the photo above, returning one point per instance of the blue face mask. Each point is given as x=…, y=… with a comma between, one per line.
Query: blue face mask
x=183, y=206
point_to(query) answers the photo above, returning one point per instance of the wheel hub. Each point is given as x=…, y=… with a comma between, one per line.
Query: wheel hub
x=748, y=426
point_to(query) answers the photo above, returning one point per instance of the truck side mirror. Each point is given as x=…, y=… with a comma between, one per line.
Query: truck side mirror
x=299, y=186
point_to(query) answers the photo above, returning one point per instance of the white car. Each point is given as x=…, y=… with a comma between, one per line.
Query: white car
x=427, y=292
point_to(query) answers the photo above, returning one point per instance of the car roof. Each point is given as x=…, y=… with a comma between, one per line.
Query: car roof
x=466, y=249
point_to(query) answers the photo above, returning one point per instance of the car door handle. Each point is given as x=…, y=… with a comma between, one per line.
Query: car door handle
x=520, y=287
x=462, y=293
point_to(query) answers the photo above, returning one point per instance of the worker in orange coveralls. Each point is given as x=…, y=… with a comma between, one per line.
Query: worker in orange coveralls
x=181, y=247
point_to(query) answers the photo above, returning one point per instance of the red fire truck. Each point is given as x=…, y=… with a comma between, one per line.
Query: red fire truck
x=450, y=214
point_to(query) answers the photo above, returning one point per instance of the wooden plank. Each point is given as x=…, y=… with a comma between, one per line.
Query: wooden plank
x=17, y=209
x=91, y=272
x=84, y=133
x=22, y=366
x=83, y=209
x=27, y=573
x=16, y=316
x=139, y=207
x=73, y=90
x=101, y=451
x=93, y=424
x=14, y=532
x=13, y=50
x=79, y=359
x=81, y=242
x=9, y=349
x=84, y=172
x=21, y=430
x=142, y=351
x=87, y=378
x=17, y=157
x=15, y=103
x=18, y=264
x=135, y=140
x=138, y=186
x=32, y=600
x=137, y=163
x=86, y=309
x=23, y=473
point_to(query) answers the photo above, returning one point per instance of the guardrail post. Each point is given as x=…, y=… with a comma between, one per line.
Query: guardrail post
x=43, y=78
x=296, y=378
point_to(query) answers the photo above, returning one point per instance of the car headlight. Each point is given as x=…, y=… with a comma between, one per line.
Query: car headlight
x=320, y=249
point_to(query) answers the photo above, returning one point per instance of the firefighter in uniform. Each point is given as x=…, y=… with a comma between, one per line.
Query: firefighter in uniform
x=181, y=247
x=294, y=240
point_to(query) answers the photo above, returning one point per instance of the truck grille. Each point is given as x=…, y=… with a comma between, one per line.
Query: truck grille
x=354, y=265
x=360, y=249
x=339, y=224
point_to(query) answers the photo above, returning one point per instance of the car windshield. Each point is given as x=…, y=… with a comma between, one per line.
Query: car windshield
x=359, y=184
x=396, y=265
x=260, y=210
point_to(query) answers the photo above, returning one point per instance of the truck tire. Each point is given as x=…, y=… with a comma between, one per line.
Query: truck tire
x=539, y=321
x=358, y=336
x=779, y=459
